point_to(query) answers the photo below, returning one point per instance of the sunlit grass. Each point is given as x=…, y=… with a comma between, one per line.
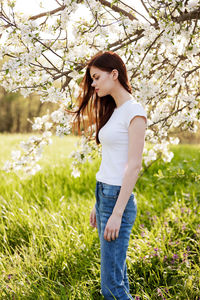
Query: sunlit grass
x=49, y=251
x=55, y=153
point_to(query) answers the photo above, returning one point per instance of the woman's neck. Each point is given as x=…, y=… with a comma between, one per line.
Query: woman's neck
x=120, y=95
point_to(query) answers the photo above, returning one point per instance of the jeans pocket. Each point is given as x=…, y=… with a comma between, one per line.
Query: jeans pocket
x=130, y=216
x=131, y=210
x=109, y=191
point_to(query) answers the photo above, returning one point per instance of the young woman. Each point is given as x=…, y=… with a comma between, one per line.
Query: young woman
x=107, y=102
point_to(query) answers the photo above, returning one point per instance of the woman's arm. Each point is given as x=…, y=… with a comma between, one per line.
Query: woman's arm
x=136, y=136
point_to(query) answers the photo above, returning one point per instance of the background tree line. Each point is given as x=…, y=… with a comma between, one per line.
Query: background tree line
x=16, y=111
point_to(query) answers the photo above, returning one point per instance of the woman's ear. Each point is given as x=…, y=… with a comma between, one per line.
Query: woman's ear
x=115, y=74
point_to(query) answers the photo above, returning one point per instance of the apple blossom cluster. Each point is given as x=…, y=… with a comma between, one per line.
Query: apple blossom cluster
x=158, y=149
x=192, y=4
x=70, y=8
x=26, y=159
x=32, y=149
x=63, y=120
x=48, y=56
x=86, y=152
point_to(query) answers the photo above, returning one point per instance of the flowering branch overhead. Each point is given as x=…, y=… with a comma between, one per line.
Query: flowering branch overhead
x=47, y=54
x=103, y=2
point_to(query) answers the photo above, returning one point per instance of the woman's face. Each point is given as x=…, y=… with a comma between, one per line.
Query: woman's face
x=103, y=81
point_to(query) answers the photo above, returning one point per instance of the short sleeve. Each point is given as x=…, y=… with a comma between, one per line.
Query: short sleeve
x=132, y=110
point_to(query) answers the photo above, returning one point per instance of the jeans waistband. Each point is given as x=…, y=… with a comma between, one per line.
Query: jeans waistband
x=103, y=184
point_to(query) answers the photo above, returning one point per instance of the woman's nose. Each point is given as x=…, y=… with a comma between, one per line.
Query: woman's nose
x=93, y=84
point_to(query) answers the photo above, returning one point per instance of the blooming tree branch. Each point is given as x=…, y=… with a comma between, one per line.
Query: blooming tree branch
x=47, y=54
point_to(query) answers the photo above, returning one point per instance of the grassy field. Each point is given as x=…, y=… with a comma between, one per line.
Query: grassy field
x=49, y=251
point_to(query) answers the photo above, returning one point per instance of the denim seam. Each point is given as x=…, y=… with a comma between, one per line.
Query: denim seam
x=115, y=271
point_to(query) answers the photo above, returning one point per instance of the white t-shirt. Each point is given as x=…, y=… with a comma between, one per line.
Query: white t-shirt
x=114, y=140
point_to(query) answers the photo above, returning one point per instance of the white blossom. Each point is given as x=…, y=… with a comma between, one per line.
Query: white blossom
x=192, y=4
x=75, y=173
x=16, y=154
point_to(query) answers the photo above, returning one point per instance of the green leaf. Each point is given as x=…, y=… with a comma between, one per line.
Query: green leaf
x=113, y=2
x=160, y=173
x=79, y=80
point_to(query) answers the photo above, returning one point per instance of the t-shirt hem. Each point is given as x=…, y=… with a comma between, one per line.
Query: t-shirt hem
x=108, y=181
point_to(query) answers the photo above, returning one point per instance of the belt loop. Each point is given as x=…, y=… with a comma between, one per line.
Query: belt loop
x=98, y=183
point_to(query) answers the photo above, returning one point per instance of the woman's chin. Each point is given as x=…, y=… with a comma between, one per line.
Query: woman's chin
x=101, y=94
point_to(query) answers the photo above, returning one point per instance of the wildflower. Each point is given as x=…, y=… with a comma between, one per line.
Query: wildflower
x=166, y=290
x=185, y=255
x=175, y=256
x=159, y=292
x=182, y=210
x=183, y=227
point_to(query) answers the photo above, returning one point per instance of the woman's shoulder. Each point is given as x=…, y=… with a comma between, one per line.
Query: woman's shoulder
x=133, y=104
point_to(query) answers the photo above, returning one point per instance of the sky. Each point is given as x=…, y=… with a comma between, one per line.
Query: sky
x=34, y=6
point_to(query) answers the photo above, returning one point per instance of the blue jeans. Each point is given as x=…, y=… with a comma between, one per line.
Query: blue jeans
x=114, y=278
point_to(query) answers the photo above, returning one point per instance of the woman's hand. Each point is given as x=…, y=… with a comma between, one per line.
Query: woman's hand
x=93, y=221
x=112, y=228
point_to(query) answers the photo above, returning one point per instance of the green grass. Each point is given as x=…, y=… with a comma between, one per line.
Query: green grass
x=49, y=251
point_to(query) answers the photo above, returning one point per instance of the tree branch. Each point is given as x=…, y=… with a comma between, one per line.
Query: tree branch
x=119, y=42
x=137, y=12
x=195, y=14
x=148, y=49
x=48, y=13
x=164, y=119
x=187, y=73
x=118, y=9
x=127, y=43
x=104, y=2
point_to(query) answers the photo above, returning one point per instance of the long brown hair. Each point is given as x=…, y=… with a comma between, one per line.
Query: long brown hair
x=92, y=109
